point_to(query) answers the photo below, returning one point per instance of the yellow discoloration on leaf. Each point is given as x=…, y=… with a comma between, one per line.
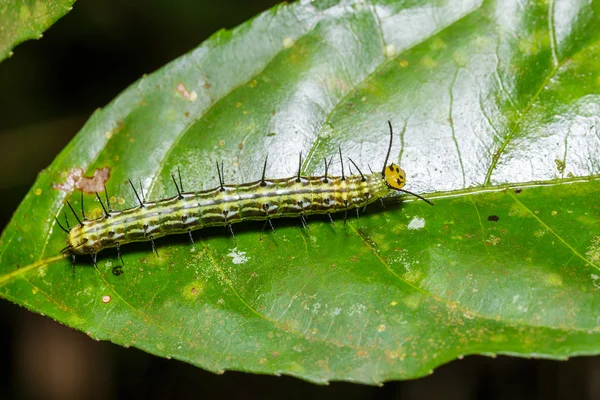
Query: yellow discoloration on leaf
x=194, y=289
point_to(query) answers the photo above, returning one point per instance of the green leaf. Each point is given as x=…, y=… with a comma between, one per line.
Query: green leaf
x=21, y=20
x=495, y=107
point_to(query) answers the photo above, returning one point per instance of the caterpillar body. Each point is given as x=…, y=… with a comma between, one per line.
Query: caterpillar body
x=265, y=199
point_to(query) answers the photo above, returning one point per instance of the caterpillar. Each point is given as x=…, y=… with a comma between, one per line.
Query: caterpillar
x=265, y=199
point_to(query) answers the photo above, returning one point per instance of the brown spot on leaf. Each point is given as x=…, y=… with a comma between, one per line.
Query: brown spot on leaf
x=493, y=218
x=76, y=180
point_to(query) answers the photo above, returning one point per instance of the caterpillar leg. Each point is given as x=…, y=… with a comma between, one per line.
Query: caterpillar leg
x=73, y=265
x=272, y=227
x=93, y=258
x=330, y=218
x=119, y=254
x=304, y=222
x=153, y=246
x=191, y=237
x=345, y=212
x=232, y=234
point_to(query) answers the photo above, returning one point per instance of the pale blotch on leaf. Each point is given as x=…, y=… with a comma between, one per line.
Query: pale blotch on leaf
x=106, y=299
x=413, y=301
x=295, y=367
x=437, y=44
x=416, y=223
x=539, y=233
x=381, y=328
x=287, y=42
x=35, y=290
x=461, y=58
x=493, y=240
x=534, y=43
x=38, y=191
x=553, y=279
x=390, y=50
x=500, y=337
x=96, y=213
x=595, y=280
x=428, y=62
x=238, y=257
x=517, y=210
x=593, y=252
x=193, y=289
x=413, y=276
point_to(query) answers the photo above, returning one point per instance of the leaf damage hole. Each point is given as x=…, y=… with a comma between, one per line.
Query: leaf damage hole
x=77, y=180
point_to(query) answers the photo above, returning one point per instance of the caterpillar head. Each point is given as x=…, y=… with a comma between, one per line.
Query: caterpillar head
x=394, y=177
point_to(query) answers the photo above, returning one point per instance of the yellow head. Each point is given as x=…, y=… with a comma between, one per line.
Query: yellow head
x=394, y=176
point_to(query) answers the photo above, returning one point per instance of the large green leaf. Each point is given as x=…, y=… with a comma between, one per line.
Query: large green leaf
x=496, y=109
x=21, y=20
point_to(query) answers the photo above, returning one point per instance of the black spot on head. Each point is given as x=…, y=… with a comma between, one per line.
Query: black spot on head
x=493, y=218
x=184, y=218
x=265, y=206
x=398, y=181
x=391, y=168
x=397, y=170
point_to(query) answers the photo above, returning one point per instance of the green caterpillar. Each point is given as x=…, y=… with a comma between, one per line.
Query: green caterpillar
x=297, y=196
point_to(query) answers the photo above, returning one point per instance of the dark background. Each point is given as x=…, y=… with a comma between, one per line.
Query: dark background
x=48, y=89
